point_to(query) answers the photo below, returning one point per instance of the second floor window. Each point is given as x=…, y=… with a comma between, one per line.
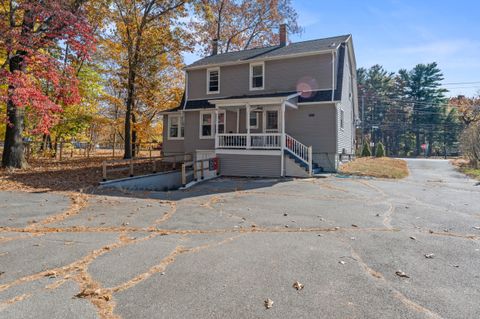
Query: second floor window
x=213, y=81
x=257, y=76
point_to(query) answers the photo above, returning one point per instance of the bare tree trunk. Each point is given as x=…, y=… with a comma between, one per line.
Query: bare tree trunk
x=13, y=151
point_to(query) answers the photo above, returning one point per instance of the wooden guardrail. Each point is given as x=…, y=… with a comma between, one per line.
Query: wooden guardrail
x=197, y=169
x=157, y=163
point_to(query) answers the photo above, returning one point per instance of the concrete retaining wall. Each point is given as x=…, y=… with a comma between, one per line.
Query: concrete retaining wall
x=155, y=182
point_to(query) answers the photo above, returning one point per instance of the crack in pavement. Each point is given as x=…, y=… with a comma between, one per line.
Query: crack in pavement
x=378, y=277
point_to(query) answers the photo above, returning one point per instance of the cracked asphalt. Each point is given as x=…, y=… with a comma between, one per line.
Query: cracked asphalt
x=220, y=249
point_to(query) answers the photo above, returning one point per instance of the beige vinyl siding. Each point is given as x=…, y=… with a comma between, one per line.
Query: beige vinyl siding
x=280, y=76
x=171, y=146
x=250, y=165
x=192, y=133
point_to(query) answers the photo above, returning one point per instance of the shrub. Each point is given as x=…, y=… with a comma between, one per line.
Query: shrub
x=366, y=151
x=380, y=150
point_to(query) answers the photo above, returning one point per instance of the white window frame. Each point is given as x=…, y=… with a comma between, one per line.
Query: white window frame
x=200, y=131
x=217, y=69
x=256, y=118
x=181, y=121
x=342, y=119
x=251, y=76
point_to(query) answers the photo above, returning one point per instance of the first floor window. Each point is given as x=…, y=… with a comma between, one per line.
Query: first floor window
x=176, y=126
x=272, y=120
x=206, y=125
x=221, y=122
x=253, y=119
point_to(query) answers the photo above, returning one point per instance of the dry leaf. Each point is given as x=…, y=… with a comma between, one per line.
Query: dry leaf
x=400, y=273
x=342, y=262
x=413, y=238
x=268, y=303
x=353, y=225
x=429, y=256
x=476, y=227
x=297, y=285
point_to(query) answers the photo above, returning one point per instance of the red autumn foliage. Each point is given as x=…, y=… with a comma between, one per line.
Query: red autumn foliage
x=40, y=43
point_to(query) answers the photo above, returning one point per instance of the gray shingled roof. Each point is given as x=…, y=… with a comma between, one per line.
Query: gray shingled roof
x=273, y=51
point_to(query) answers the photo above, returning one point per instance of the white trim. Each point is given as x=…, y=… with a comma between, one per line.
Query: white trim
x=180, y=116
x=212, y=114
x=252, y=65
x=333, y=75
x=280, y=57
x=208, y=80
x=238, y=120
x=249, y=152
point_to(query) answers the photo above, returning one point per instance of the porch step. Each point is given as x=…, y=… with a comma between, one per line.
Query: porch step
x=316, y=169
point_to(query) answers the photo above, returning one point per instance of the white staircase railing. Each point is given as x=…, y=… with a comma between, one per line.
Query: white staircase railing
x=301, y=151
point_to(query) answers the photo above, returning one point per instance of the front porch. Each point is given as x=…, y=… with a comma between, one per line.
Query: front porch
x=257, y=127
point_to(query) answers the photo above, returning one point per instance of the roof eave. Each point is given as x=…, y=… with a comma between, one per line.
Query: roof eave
x=280, y=57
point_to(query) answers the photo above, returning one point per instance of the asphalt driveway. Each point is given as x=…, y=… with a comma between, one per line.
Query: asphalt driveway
x=362, y=248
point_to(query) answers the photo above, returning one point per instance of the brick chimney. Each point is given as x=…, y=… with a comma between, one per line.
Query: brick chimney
x=214, y=46
x=283, y=35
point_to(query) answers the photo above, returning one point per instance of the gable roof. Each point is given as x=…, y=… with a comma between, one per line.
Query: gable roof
x=295, y=48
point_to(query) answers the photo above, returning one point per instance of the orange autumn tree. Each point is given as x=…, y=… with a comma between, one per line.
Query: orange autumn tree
x=242, y=24
x=142, y=46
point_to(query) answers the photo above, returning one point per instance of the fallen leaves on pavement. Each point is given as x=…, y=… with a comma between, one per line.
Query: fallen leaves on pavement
x=268, y=303
x=297, y=285
x=400, y=273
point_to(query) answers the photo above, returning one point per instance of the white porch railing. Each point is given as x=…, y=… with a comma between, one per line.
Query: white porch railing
x=303, y=152
x=232, y=141
x=267, y=141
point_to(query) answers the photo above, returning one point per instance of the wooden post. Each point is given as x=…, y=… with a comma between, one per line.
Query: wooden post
x=131, y=167
x=195, y=171
x=184, y=176
x=218, y=166
x=154, y=166
x=201, y=169
x=104, y=171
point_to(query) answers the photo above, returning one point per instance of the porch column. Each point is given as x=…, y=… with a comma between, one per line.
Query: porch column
x=216, y=128
x=282, y=143
x=247, y=106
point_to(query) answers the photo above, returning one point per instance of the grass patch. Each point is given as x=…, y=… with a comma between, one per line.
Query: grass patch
x=382, y=167
x=464, y=167
x=472, y=172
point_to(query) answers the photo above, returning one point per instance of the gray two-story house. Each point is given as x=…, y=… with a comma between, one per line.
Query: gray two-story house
x=284, y=110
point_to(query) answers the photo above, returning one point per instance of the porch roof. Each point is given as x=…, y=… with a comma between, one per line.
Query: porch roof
x=301, y=97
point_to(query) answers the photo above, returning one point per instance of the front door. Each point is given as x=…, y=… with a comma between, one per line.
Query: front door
x=271, y=121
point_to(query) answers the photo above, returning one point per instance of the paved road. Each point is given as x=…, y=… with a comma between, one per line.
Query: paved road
x=222, y=248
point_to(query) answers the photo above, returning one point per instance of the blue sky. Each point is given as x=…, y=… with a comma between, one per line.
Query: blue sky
x=401, y=33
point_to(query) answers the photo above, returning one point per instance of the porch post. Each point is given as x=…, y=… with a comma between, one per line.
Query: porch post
x=282, y=143
x=247, y=106
x=216, y=128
